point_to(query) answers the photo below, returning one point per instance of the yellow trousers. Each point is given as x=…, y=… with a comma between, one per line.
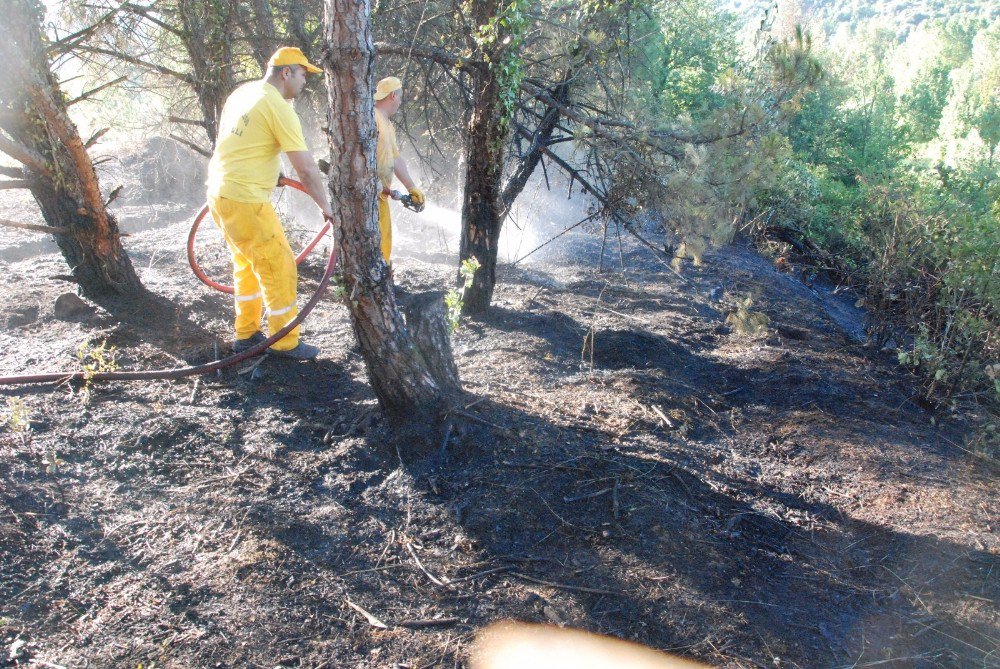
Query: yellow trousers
x=385, y=226
x=264, y=271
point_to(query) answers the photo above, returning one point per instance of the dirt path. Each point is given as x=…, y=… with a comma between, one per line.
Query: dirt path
x=769, y=502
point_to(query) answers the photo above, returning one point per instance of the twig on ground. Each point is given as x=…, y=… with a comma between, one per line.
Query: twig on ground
x=51, y=665
x=372, y=620
x=683, y=484
x=472, y=577
x=429, y=575
x=588, y=495
x=430, y=622
x=565, y=586
x=472, y=416
x=659, y=412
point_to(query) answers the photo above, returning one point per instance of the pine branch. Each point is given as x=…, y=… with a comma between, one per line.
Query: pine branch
x=36, y=228
x=439, y=56
x=138, y=62
x=95, y=137
x=72, y=40
x=186, y=121
x=144, y=12
x=25, y=155
x=191, y=145
x=95, y=91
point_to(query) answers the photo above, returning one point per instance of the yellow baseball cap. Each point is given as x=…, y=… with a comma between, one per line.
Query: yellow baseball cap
x=387, y=86
x=292, y=55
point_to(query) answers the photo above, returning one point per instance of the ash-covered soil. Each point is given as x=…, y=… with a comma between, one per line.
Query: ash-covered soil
x=622, y=462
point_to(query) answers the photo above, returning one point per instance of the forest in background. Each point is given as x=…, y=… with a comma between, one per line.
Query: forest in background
x=892, y=173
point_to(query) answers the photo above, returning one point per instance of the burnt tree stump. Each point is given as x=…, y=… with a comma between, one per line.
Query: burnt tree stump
x=427, y=322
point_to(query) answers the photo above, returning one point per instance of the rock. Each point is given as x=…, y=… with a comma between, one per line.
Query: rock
x=22, y=316
x=71, y=307
x=16, y=651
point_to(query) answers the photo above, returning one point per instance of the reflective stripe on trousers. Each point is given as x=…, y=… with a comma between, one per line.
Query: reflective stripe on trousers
x=264, y=272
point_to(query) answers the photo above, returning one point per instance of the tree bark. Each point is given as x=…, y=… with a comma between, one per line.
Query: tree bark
x=487, y=199
x=261, y=31
x=482, y=209
x=410, y=383
x=61, y=173
x=209, y=27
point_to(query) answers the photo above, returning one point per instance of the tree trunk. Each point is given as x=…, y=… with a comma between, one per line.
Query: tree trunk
x=37, y=131
x=486, y=202
x=481, y=205
x=409, y=383
x=209, y=27
x=261, y=31
x=482, y=210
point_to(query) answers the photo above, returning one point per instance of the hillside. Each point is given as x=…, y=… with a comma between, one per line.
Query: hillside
x=769, y=501
x=899, y=16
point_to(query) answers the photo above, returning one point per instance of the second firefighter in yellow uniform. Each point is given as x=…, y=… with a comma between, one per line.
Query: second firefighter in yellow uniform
x=388, y=162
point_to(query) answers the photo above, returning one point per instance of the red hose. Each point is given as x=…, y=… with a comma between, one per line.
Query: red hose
x=181, y=372
x=200, y=273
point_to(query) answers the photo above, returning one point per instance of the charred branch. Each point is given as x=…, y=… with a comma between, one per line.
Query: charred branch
x=191, y=145
x=34, y=228
x=540, y=139
x=95, y=138
x=439, y=56
x=186, y=121
x=95, y=91
x=138, y=62
x=607, y=205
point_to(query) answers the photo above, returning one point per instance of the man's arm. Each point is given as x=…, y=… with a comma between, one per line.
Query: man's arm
x=403, y=173
x=310, y=176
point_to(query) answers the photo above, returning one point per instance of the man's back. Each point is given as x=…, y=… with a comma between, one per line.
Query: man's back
x=257, y=124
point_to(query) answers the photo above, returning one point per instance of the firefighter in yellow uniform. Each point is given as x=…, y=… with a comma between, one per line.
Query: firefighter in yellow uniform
x=257, y=124
x=388, y=162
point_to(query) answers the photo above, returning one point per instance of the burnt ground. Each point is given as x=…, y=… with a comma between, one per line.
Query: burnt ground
x=769, y=501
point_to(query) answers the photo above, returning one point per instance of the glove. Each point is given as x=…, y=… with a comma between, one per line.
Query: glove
x=418, y=196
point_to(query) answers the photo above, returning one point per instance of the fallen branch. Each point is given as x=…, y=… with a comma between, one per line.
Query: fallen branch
x=372, y=620
x=564, y=586
x=481, y=574
x=14, y=184
x=472, y=416
x=429, y=575
x=430, y=622
x=588, y=495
